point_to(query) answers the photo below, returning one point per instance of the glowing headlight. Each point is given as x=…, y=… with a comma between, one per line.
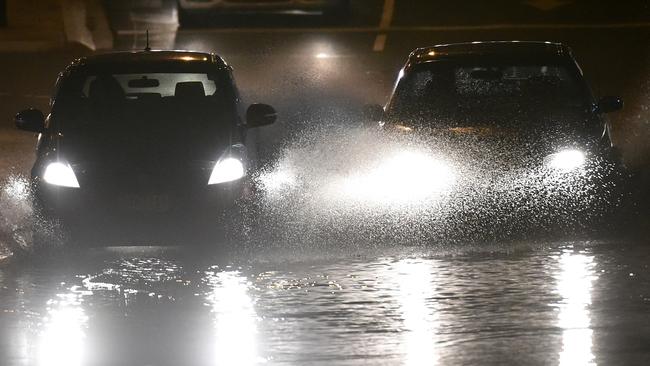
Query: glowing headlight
x=403, y=177
x=566, y=160
x=227, y=170
x=60, y=174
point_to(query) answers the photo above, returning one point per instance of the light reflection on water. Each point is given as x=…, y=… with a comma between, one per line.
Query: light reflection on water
x=414, y=280
x=62, y=340
x=529, y=307
x=575, y=282
x=235, y=319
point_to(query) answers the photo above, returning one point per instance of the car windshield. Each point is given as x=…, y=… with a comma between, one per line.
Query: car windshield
x=450, y=94
x=108, y=100
x=179, y=115
x=148, y=85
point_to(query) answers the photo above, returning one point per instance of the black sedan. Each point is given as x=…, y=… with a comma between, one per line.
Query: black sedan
x=505, y=131
x=140, y=144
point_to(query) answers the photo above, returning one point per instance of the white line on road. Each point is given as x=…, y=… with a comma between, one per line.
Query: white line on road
x=380, y=42
x=442, y=28
x=387, y=14
x=384, y=23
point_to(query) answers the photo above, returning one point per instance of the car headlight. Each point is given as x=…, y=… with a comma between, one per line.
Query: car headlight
x=60, y=174
x=566, y=160
x=227, y=170
x=405, y=177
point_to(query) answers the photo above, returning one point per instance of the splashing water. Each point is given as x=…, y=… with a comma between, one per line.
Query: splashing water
x=20, y=225
x=363, y=185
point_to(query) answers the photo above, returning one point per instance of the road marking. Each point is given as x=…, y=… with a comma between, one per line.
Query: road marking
x=384, y=23
x=380, y=42
x=443, y=28
x=387, y=14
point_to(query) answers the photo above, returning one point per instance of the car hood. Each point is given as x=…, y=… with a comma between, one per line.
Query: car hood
x=142, y=148
x=531, y=124
x=142, y=136
x=497, y=149
x=523, y=134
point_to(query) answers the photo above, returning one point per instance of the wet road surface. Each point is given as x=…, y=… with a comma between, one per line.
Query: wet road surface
x=569, y=303
x=531, y=302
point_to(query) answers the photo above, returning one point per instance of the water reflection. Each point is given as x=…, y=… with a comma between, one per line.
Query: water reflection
x=414, y=280
x=235, y=318
x=62, y=340
x=574, y=284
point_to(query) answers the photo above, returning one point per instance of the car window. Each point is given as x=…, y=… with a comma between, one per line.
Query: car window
x=88, y=102
x=160, y=84
x=444, y=90
x=513, y=81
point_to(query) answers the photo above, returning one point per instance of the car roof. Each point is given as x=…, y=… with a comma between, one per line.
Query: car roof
x=158, y=59
x=492, y=49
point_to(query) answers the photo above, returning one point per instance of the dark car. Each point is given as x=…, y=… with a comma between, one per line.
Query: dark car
x=514, y=128
x=140, y=144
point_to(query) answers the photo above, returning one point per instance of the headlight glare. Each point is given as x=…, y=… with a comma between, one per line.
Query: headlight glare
x=406, y=177
x=60, y=174
x=227, y=170
x=566, y=160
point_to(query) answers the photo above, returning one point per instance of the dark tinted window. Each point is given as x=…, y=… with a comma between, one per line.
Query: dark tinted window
x=139, y=98
x=477, y=94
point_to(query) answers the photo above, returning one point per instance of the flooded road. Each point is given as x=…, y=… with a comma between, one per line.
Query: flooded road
x=303, y=296
x=566, y=303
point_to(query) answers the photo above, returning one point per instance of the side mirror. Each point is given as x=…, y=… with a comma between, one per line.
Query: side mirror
x=30, y=120
x=258, y=115
x=372, y=113
x=609, y=104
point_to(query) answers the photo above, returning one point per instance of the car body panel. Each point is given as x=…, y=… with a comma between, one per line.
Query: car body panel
x=509, y=51
x=144, y=158
x=504, y=161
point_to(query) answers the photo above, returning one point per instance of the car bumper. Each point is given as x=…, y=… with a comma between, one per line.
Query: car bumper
x=140, y=216
x=476, y=203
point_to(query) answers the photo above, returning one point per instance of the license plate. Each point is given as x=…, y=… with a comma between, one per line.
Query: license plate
x=146, y=203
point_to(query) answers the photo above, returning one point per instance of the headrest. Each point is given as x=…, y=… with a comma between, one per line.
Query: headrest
x=189, y=89
x=105, y=87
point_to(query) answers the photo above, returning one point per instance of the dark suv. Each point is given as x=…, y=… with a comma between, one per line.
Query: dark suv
x=140, y=144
